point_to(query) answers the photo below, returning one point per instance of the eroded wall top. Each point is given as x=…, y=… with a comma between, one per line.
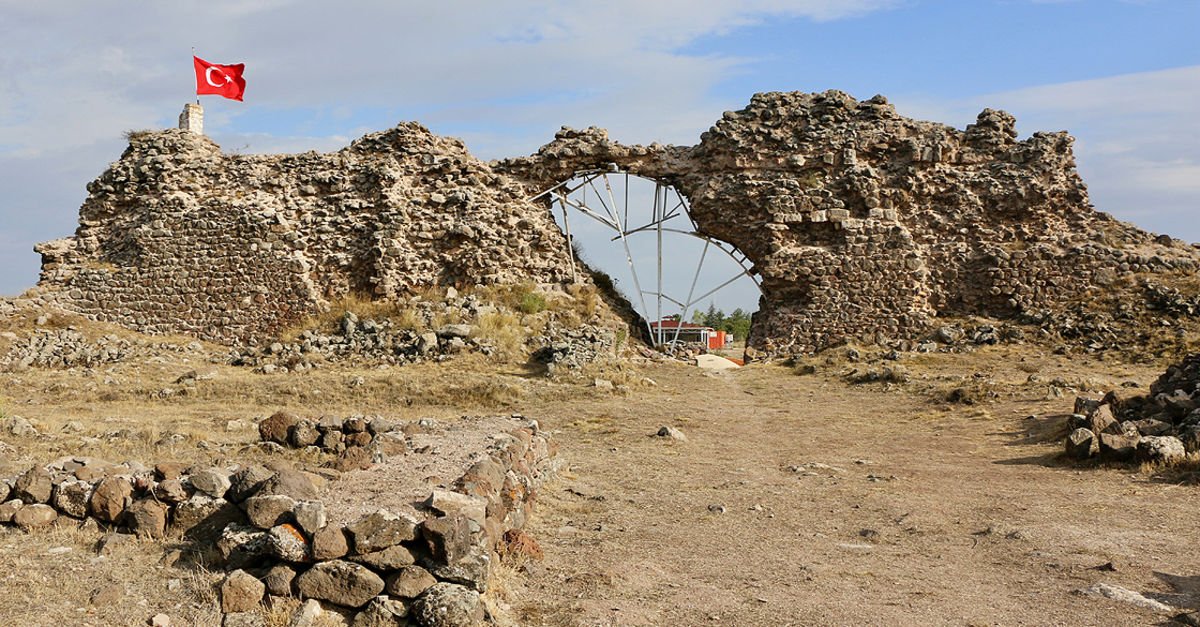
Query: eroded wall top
x=862, y=224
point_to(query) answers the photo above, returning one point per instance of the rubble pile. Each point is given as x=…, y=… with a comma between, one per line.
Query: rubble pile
x=69, y=348
x=1162, y=426
x=278, y=533
x=383, y=342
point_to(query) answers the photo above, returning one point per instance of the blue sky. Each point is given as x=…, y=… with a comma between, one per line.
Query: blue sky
x=1122, y=76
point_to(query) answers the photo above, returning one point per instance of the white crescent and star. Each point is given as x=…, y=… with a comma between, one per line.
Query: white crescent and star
x=208, y=77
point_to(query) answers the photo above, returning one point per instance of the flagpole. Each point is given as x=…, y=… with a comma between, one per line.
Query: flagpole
x=193, y=63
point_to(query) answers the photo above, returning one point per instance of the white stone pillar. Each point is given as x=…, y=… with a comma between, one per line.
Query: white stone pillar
x=192, y=118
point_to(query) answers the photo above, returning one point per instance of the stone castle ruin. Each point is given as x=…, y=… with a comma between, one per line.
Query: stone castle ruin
x=861, y=224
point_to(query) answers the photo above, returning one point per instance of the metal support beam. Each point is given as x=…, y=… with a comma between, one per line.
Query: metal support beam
x=616, y=218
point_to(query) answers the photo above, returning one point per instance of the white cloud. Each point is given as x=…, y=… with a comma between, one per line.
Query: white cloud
x=75, y=74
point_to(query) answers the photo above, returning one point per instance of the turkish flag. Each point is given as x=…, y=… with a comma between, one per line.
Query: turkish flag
x=219, y=80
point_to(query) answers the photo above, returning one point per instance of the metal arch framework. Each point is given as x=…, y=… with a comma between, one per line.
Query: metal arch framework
x=616, y=218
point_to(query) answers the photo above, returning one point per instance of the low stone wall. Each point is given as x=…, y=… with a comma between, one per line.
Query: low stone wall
x=270, y=526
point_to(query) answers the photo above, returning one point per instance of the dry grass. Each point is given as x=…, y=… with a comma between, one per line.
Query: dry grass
x=506, y=332
x=361, y=305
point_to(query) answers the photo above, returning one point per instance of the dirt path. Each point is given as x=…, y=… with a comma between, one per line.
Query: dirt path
x=802, y=500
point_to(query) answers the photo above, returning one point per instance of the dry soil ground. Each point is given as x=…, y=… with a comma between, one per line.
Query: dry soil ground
x=796, y=499
x=801, y=500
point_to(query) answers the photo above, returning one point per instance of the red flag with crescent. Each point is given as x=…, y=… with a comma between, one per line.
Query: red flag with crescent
x=219, y=80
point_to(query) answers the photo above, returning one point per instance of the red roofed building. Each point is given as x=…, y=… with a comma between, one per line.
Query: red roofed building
x=688, y=333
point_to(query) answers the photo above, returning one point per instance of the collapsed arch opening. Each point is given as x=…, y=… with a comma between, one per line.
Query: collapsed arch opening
x=686, y=287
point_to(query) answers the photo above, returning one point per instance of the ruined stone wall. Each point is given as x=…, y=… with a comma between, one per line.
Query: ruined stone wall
x=177, y=237
x=864, y=224
x=861, y=224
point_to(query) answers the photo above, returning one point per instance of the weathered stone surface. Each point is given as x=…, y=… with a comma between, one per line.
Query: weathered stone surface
x=203, y=517
x=166, y=471
x=213, y=482
x=241, y=546
x=291, y=483
x=1119, y=448
x=449, y=503
x=394, y=212
x=1151, y=426
x=33, y=486
x=288, y=544
x=339, y=582
x=1101, y=420
x=170, y=491
x=516, y=547
x=457, y=550
x=1081, y=444
x=391, y=558
x=71, y=498
x=671, y=433
x=310, y=516
x=34, y=516
x=382, y=612
x=353, y=458
x=278, y=580
x=241, y=592
x=330, y=543
x=266, y=511
x=1160, y=449
x=110, y=498
x=9, y=508
x=409, y=582
x=246, y=482
x=309, y=614
x=380, y=530
x=147, y=518
x=361, y=438
x=303, y=433
x=277, y=427
x=448, y=605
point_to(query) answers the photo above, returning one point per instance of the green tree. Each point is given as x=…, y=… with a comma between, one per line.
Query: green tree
x=738, y=324
x=713, y=317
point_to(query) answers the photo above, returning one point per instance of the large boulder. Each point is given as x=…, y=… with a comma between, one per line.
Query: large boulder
x=448, y=605
x=71, y=498
x=241, y=592
x=266, y=511
x=340, y=582
x=213, y=482
x=330, y=543
x=380, y=530
x=409, y=582
x=277, y=427
x=34, y=516
x=33, y=486
x=110, y=498
x=147, y=518
x=1118, y=448
x=1081, y=444
x=1161, y=449
x=203, y=517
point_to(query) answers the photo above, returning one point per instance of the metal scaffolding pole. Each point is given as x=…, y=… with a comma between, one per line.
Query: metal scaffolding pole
x=570, y=242
x=657, y=188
